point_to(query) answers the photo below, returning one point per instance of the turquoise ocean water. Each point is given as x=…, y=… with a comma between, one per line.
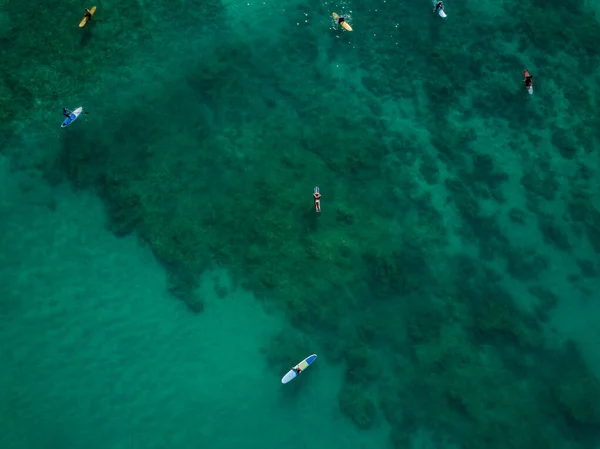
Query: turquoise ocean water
x=162, y=265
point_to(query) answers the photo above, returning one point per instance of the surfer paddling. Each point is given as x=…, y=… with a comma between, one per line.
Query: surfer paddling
x=439, y=6
x=528, y=81
x=317, y=199
x=342, y=22
x=89, y=13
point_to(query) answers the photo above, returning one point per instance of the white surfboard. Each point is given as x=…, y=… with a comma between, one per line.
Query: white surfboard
x=440, y=12
x=299, y=368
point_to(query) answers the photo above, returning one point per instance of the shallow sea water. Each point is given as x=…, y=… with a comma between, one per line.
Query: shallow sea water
x=161, y=264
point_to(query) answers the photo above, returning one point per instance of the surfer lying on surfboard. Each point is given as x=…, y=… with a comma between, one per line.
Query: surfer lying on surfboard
x=528, y=81
x=438, y=6
x=317, y=198
x=89, y=13
x=342, y=22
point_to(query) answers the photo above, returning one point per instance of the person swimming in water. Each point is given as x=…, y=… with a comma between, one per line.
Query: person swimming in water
x=439, y=5
x=317, y=198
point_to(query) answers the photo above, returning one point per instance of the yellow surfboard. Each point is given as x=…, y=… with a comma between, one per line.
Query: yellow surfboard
x=344, y=23
x=86, y=19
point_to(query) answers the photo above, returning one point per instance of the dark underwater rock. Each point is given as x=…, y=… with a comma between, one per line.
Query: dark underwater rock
x=547, y=301
x=464, y=200
x=358, y=406
x=541, y=183
x=182, y=286
x=517, y=215
x=429, y=169
x=565, y=142
x=587, y=268
x=484, y=171
x=577, y=392
x=524, y=264
x=553, y=234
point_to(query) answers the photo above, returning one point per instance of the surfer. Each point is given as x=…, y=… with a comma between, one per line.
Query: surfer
x=296, y=369
x=317, y=198
x=68, y=112
x=439, y=5
x=342, y=22
x=88, y=14
x=528, y=80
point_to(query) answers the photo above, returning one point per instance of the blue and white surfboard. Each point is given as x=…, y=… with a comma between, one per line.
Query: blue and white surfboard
x=299, y=368
x=72, y=117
